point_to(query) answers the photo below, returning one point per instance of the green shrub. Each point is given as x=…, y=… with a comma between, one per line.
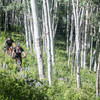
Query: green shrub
x=13, y=86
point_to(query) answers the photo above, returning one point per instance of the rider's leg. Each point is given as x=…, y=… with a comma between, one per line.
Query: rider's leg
x=20, y=61
x=7, y=52
x=11, y=49
x=16, y=60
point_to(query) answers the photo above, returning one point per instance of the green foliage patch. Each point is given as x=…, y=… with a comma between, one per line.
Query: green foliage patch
x=13, y=85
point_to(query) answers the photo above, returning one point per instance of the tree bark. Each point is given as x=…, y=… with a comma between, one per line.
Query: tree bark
x=86, y=33
x=25, y=26
x=98, y=78
x=91, y=49
x=37, y=39
x=71, y=38
x=77, y=40
x=51, y=33
x=46, y=21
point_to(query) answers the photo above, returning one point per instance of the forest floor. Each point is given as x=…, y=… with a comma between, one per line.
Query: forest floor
x=63, y=83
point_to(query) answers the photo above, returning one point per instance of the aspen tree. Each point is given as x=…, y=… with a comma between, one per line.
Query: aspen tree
x=48, y=41
x=37, y=39
x=86, y=33
x=77, y=39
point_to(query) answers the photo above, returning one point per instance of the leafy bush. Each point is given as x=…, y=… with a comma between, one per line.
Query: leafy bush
x=12, y=85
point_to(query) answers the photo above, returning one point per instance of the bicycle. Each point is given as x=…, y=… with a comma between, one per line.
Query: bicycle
x=19, y=63
x=8, y=51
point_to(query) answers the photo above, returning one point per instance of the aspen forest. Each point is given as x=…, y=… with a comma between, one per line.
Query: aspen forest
x=60, y=43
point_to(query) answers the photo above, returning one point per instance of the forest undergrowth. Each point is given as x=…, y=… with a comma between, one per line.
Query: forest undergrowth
x=14, y=85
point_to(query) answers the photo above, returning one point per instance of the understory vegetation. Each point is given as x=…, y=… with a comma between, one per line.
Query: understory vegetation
x=25, y=85
x=61, y=40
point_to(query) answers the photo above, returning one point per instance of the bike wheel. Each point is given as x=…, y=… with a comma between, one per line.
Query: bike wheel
x=19, y=64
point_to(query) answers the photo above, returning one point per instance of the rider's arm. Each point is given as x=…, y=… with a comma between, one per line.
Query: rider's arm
x=13, y=44
x=13, y=54
x=24, y=54
x=4, y=44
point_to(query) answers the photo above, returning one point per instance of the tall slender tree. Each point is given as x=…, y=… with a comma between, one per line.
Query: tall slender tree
x=47, y=31
x=37, y=39
x=77, y=39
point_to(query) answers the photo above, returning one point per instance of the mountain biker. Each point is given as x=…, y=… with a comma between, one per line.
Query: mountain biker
x=8, y=45
x=17, y=54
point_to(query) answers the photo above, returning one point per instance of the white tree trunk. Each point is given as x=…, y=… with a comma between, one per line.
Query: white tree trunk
x=51, y=33
x=29, y=26
x=95, y=53
x=48, y=41
x=98, y=75
x=37, y=39
x=91, y=50
x=73, y=60
x=30, y=35
x=82, y=51
x=77, y=40
x=86, y=33
x=98, y=79
x=44, y=33
x=54, y=19
x=71, y=38
x=26, y=30
x=25, y=25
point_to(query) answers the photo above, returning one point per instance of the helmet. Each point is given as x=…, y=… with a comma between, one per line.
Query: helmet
x=18, y=44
